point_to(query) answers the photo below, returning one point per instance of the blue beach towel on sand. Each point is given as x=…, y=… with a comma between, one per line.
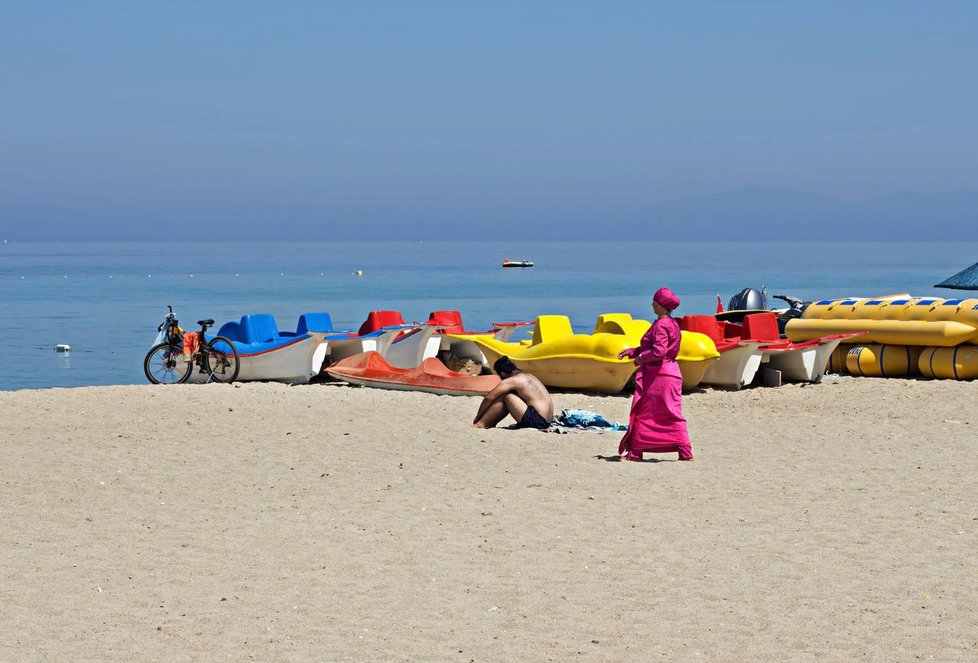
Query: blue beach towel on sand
x=571, y=418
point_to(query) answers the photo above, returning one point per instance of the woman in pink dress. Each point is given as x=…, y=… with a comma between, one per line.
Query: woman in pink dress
x=656, y=423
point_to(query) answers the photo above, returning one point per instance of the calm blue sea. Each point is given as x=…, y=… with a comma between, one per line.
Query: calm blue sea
x=105, y=300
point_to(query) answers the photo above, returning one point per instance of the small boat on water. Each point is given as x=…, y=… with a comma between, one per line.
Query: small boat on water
x=370, y=369
x=517, y=263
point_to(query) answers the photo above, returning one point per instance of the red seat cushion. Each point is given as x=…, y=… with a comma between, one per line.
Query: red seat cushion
x=761, y=326
x=452, y=320
x=377, y=319
x=731, y=330
x=704, y=324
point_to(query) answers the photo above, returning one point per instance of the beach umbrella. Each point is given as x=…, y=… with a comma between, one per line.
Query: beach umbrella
x=966, y=279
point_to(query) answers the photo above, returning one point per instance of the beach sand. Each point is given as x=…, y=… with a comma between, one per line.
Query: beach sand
x=829, y=522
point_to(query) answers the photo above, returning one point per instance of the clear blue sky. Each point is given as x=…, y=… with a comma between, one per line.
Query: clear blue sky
x=298, y=114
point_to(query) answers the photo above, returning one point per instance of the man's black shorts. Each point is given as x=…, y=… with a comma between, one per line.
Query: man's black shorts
x=532, y=419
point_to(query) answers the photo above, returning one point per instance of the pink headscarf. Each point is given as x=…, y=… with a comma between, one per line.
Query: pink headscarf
x=666, y=298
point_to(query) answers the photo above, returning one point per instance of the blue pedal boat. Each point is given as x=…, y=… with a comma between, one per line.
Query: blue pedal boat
x=280, y=356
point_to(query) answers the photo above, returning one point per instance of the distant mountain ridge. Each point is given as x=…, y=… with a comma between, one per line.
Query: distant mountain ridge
x=782, y=213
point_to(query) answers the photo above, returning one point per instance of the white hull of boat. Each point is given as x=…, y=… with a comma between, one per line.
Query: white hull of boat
x=412, y=348
x=407, y=350
x=802, y=364
x=290, y=363
x=340, y=349
x=424, y=342
x=463, y=348
x=331, y=351
x=736, y=368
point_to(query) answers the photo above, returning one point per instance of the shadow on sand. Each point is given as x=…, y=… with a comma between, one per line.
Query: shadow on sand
x=620, y=459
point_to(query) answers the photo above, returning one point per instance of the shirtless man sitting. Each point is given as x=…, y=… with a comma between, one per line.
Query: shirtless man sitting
x=519, y=394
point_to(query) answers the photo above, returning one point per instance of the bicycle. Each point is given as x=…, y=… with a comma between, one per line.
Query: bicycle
x=166, y=362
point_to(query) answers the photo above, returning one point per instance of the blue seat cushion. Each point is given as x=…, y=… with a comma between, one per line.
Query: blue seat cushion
x=231, y=330
x=259, y=328
x=317, y=322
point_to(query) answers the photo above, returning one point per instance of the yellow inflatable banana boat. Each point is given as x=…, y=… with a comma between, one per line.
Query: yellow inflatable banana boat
x=589, y=362
x=905, y=336
x=898, y=320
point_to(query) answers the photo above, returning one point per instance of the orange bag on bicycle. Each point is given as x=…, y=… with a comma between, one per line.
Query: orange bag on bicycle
x=191, y=344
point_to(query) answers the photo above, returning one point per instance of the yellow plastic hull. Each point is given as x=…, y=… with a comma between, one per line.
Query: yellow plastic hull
x=589, y=362
x=694, y=370
x=568, y=372
x=697, y=353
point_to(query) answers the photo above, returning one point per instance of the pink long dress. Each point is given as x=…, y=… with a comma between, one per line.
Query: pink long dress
x=656, y=423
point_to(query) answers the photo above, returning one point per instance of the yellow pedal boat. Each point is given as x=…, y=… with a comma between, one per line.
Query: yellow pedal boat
x=589, y=362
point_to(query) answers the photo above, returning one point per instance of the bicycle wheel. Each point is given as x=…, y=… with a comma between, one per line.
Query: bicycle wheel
x=222, y=360
x=164, y=364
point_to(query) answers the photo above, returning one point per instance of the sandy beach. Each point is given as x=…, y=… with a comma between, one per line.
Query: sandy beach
x=829, y=522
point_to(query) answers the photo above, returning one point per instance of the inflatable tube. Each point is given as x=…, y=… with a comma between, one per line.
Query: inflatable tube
x=946, y=333
x=959, y=363
x=896, y=320
x=883, y=361
x=837, y=360
x=900, y=307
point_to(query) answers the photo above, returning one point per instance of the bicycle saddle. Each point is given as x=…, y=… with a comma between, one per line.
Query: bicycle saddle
x=209, y=323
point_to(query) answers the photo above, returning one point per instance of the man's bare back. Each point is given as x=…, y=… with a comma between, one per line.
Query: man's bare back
x=532, y=392
x=514, y=395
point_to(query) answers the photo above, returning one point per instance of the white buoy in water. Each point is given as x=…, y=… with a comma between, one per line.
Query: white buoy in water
x=62, y=347
x=359, y=272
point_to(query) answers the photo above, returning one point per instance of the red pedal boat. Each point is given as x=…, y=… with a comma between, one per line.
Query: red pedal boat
x=754, y=341
x=370, y=369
